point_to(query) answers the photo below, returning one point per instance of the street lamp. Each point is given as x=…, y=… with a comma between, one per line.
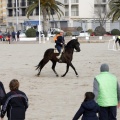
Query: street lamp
x=39, y=26
x=16, y=16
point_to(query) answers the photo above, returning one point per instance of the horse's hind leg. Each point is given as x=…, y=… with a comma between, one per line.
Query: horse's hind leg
x=74, y=69
x=67, y=68
x=42, y=64
x=53, y=68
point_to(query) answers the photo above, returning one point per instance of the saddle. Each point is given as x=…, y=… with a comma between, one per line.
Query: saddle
x=55, y=50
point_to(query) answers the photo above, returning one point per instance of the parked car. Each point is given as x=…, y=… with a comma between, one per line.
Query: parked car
x=84, y=34
x=51, y=35
x=107, y=34
x=22, y=34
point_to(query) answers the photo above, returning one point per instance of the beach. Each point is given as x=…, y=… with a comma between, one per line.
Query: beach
x=51, y=97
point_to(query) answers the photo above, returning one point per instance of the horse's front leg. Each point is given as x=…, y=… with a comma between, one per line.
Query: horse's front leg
x=53, y=68
x=67, y=68
x=74, y=69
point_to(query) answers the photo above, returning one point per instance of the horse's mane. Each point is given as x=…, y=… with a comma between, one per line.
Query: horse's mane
x=71, y=42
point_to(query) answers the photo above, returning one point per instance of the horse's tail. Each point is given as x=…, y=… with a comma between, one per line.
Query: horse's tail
x=39, y=64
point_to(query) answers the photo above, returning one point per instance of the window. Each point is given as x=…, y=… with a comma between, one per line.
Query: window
x=103, y=1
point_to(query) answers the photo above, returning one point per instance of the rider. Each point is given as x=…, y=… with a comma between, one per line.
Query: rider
x=55, y=37
x=117, y=40
x=60, y=43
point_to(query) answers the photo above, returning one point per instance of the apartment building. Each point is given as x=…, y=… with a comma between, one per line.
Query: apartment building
x=2, y=13
x=77, y=13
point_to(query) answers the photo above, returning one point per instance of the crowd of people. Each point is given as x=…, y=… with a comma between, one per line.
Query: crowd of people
x=14, y=103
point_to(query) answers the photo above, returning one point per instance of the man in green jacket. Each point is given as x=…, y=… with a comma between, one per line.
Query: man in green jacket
x=107, y=93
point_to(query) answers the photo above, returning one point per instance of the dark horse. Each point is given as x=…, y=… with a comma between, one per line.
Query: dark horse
x=66, y=57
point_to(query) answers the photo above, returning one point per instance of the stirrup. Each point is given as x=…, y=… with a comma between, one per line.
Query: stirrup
x=60, y=61
x=56, y=51
x=58, y=57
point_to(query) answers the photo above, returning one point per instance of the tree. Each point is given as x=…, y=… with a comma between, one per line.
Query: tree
x=46, y=6
x=114, y=10
x=101, y=12
x=101, y=15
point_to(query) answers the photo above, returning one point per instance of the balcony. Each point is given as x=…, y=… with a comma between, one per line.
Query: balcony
x=74, y=13
x=37, y=13
x=23, y=4
x=66, y=1
x=9, y=5
x=23, y=14
x=29, y=3
x=74, y=1
x=66, y=13
x=15, y=4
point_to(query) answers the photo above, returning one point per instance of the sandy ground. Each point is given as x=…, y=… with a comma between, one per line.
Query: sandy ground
x=51, y=97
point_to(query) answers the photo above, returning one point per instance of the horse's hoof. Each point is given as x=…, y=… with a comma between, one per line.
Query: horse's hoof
x=77, y=75
x=37, y=75
x=62, y=75
x=57, y=75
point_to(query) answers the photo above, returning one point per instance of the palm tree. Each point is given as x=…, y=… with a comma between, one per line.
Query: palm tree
x=114, y=10
x=46, y=6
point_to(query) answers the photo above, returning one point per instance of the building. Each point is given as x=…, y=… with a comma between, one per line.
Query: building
x=2, y=14
x=77, y=13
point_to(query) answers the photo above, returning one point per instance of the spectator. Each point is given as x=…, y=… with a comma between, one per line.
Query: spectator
x=117, y=40
x=88, y=108
x=16, y=102
x=2, y=94
x=18, y=34
x=8, y=37
x=1, y=36
x=13, y=35
x=107, y=93
x=37, y=34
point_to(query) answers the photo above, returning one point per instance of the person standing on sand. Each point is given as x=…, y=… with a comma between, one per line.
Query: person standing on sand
x=107, y=93
x=2, y=94
x=15, y=104
x=89, y=108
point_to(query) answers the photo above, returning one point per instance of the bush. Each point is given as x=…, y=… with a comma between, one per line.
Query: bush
x=99, y=31
x=115, y=32
x=79, y=28
x=90, y=31
x=68, y=33
x=31, y=32
x=55, y=32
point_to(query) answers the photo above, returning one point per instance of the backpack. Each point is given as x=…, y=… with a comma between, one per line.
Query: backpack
x=2, y=94
x=55, y=37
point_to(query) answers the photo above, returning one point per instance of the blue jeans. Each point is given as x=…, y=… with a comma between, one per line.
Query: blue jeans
x=59, y=48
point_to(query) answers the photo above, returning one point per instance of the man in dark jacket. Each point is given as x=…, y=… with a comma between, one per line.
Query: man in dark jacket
x=16, y=103
x=2, y=94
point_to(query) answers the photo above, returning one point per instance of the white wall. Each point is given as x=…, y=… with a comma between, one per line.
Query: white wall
x=86, y=8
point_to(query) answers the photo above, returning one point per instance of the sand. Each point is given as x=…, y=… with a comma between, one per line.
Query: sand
x=51, y=97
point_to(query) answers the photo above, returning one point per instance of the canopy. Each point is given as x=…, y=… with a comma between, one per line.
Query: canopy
x=31, y=23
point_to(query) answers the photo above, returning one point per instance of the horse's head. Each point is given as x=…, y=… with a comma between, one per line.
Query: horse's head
x=74, y=44
x=77, y=45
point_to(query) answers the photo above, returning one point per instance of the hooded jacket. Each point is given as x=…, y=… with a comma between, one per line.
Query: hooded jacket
x=88, y=109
